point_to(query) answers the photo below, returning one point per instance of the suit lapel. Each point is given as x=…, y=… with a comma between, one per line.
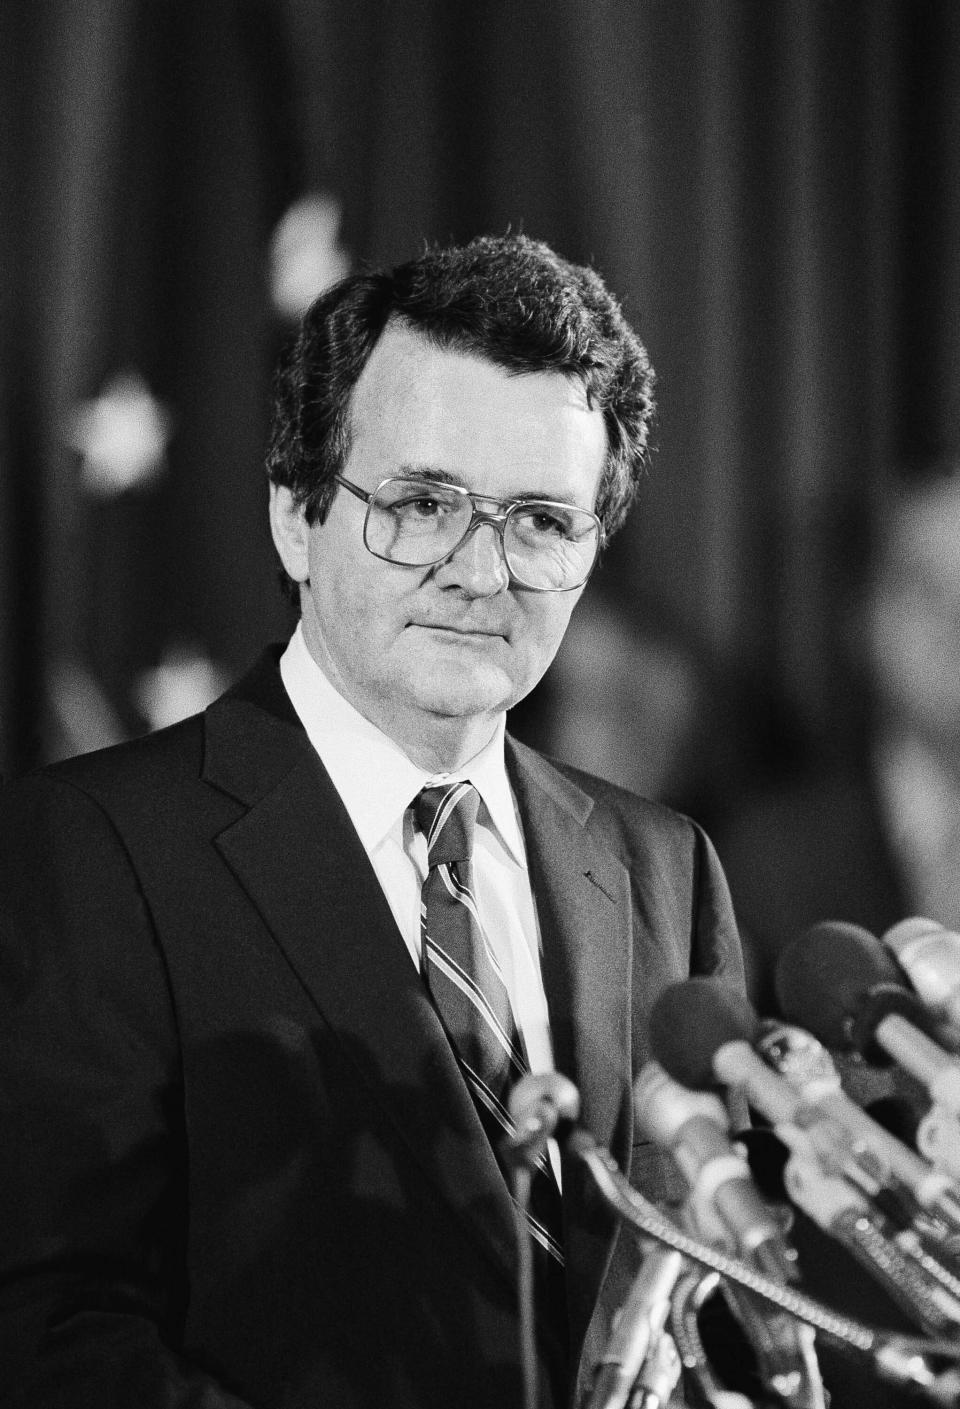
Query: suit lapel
x=297, y=856
x=583, y=903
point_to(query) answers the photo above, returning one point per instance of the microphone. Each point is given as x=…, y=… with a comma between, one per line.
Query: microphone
x=901, y=1360
x=638, y=1330
x=930, y=957
x=836, y=980
x=538, y=1104
x=808, y=1067
x=724, y=1202
x=892, y=1356
x=702, y=1031
x=725, y=1207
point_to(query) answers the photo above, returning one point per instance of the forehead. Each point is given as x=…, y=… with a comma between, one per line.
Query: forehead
x=417, y=405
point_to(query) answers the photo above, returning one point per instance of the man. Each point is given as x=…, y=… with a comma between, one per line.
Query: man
x=250, y=1156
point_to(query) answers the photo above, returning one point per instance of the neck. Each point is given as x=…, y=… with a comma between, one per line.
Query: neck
x=439, y=744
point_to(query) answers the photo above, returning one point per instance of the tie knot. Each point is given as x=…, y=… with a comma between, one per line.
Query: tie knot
x=446, y=816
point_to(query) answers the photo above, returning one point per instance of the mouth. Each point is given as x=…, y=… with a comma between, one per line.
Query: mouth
x=465, y=633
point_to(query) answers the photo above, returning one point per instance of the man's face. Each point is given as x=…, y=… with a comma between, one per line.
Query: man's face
x=444, y=648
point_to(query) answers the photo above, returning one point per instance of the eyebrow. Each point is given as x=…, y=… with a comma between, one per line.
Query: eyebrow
x=426, y=472
x=432, y=476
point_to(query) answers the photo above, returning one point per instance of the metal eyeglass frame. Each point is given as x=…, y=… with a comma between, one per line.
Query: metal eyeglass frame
x=479, y=516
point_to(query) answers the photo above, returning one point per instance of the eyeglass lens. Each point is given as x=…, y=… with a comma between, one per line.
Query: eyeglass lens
x=547, y=545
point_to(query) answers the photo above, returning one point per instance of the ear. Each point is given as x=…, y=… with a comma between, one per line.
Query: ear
x=291, y=532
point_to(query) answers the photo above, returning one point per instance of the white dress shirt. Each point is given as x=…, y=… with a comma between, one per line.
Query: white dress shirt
x=377, y=783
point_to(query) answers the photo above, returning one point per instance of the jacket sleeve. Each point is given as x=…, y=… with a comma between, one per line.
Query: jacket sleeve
x=93, y=1161
x=715, y=941
x=716, y=950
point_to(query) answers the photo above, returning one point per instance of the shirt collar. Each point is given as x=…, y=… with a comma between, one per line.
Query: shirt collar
x=354, y=752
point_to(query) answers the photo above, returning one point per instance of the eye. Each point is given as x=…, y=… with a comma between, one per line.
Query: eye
x=540, y=519
x=420, y=503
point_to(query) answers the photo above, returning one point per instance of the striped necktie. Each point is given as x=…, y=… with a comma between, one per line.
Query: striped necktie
x=466, y=984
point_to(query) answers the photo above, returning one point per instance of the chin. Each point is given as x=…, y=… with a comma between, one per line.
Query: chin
x=461, y=699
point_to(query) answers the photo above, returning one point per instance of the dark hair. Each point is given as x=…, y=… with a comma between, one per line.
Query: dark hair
x=509, y=299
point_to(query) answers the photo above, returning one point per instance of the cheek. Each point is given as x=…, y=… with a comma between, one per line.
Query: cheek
x=545, y=628
x=357, y=599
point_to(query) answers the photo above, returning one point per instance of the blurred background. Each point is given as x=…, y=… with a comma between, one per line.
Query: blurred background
x=773, y=189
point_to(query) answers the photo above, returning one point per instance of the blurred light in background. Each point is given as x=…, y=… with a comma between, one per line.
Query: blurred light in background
x=121, y=436
x=305, y=254
x=184, y=682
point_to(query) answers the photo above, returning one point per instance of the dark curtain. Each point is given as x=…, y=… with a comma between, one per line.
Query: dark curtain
x=772, y=188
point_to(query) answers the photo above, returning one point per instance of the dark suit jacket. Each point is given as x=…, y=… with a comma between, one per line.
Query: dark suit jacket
x=238, y=1162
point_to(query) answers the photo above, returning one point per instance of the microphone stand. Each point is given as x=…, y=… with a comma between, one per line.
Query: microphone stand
x=537, y=1104
x=522, y=1176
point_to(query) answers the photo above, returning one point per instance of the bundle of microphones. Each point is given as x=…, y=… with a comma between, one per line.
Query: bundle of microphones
x=891, y=1203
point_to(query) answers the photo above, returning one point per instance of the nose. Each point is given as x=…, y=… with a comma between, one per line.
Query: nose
x=477, y=564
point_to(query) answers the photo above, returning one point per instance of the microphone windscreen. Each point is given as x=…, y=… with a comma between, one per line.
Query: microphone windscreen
x=824, y=975
x=691, y=1020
